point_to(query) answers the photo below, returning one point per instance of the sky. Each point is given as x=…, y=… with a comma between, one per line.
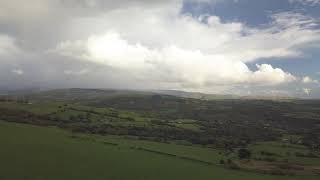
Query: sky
x=243, y=47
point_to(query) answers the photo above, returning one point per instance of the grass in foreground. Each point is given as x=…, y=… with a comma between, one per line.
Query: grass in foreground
x=39, y=153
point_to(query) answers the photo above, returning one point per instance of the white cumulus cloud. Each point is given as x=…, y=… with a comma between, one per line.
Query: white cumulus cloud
x=308, y=79
x=143, y=43
x=307, y=91
x=306, y=2
x=7, y=46
x=18, y=71
x=164, y=46
x=171, y=64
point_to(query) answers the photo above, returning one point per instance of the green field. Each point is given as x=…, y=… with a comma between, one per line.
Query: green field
x=40, y=153
x=284, y=151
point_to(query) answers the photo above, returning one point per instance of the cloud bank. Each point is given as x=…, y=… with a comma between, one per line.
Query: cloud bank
x=144, y=44
x=170, y=64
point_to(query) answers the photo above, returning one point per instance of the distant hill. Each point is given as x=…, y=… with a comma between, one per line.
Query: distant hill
x=269, y=98
x=197, y=95
x=81, y=94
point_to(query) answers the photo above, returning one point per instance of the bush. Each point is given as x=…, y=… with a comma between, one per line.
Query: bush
x=269, y=159
x=232, y=165
x=309, y=155
x=244, y=154
x=266, y=153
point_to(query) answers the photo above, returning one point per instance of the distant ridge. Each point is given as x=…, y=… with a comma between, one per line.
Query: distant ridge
x=95, y=93
x=197, y=95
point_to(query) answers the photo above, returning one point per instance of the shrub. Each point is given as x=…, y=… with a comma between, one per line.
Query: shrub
x=244, y=153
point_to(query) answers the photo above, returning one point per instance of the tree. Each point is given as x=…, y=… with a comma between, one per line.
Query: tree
x=244, y=153
x=72, y=118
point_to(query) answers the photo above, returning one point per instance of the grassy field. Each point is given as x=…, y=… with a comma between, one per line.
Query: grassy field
x=39, y=153
x=281, y=151
x=67, y=111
